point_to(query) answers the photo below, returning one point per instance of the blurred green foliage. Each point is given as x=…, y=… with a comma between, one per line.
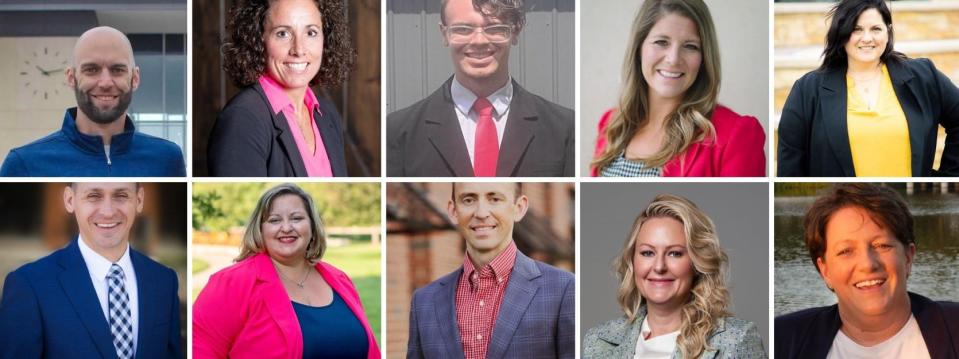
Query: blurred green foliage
x=220, y=206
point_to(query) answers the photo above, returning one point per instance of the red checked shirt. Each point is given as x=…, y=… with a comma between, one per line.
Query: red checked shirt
x=478, y=298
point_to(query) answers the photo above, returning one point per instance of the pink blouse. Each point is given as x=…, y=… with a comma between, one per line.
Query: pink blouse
x=317, y=163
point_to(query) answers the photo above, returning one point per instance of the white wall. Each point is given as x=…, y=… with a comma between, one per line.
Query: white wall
x=743, y=30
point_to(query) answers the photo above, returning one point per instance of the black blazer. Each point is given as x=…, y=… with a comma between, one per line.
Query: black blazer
x=248, y=140
x=425, y=140
x=814, y=139
x=809, y=333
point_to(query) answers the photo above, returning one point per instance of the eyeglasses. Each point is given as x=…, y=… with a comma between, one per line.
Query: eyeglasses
x=461, y=34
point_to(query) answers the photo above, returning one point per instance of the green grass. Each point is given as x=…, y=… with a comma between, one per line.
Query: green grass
x=199, y=265
x=361, y=262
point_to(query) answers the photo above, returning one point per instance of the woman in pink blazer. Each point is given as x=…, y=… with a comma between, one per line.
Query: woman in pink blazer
x=668, y=122
x=279, y=300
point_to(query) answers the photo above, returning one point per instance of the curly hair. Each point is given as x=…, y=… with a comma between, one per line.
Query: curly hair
x=253, y=241
x=244, y=52
x=709, y=298
x=688, y=123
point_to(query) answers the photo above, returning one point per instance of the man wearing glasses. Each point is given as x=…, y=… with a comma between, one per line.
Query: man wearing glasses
x=480, y=122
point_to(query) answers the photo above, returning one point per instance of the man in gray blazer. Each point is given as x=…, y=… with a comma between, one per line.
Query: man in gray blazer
x=480, y=122
x=500, y=303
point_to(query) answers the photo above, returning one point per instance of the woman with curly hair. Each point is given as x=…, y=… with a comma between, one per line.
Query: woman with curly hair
x=669, y=123
x=672, y=274
x=277, y=126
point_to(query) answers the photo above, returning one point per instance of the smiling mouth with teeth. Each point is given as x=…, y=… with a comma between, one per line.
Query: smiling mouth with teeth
x=297, y=66
x=870, y=283
x=669, y=74
x=107, y=225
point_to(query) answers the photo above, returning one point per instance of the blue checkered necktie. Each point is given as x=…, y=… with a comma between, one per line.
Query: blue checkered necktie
x=121, y=325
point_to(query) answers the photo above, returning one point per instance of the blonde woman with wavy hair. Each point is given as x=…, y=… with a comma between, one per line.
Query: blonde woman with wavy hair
x=668, y=122
x=672, y=274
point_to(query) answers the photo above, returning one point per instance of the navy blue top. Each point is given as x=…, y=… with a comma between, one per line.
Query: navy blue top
x=332, y=331
x=68, y=152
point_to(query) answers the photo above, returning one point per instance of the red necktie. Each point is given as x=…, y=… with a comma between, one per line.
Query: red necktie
x=486, y=143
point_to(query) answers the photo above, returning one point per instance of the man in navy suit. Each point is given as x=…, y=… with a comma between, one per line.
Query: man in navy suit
x=480, y=122
x=97, y=297
x=500, y=303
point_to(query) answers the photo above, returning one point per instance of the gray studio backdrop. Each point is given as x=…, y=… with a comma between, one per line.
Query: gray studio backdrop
x=739, y=210
x=417, y=62
x=743, y=30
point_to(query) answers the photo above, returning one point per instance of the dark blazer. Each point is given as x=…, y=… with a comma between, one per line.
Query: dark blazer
x=249, y=140
x=50, y=310
x=425, y=139
x=809, y=333
x=536, y=319
x=814, y=139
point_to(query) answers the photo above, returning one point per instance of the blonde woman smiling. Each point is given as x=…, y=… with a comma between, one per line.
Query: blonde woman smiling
x=672, y=275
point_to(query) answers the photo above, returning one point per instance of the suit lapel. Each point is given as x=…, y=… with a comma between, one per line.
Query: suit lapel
x=520, y=128
x=279, y=305
x=75, y=280
x=907, y=92
x=332, y=142
x=284, y=136
x=832, y=96
x=624, y=338
x=147, y=296
x=444, y=131
x=444, y=301
x=520, y=290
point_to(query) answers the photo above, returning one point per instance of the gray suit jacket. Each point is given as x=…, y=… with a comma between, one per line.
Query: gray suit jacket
x=425, y=139
x=537, y=318
x=732, y=338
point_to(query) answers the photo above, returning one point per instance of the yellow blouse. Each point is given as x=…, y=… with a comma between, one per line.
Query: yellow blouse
x=878, y=137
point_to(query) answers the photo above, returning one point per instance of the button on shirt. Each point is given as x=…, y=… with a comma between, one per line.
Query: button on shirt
x=463, y=100
x=99, y=267
x=479, y=294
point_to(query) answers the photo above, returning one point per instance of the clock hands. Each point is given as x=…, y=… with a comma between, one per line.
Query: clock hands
x=45, y=72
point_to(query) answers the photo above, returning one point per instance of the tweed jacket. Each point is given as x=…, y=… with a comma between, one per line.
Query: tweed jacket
x=732, y=338
x=537, y=318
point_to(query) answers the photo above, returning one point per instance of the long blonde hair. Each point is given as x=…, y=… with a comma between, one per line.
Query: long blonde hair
x=708, y=301
x=688, y=123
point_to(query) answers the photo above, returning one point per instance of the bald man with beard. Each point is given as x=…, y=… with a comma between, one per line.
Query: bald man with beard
x=98, y=139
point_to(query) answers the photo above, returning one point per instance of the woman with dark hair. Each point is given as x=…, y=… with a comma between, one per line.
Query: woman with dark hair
x=860, y=238
x=277, y=126
x=868, y=110
x=669, y=123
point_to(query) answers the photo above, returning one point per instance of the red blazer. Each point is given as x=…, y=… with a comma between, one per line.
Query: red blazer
x=244, y=312
x=738, y=149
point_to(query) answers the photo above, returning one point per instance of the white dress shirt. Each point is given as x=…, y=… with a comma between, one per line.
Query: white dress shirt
x=661, y=347
x=463, y=100
x=907, y=343
x=99, y=267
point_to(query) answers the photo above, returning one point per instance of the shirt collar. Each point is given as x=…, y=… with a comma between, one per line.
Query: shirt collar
x=463, y=98
x=99, y=266
x=278, y=98
x=120, y=142
x=501, y=265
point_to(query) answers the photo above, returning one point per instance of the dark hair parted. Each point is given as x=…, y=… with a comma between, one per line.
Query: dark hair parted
x=508, y=11
x=884, y=205
x=845, y=15
x=244, y=52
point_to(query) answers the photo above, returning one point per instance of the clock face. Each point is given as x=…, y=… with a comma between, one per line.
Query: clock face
x=40, y=73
